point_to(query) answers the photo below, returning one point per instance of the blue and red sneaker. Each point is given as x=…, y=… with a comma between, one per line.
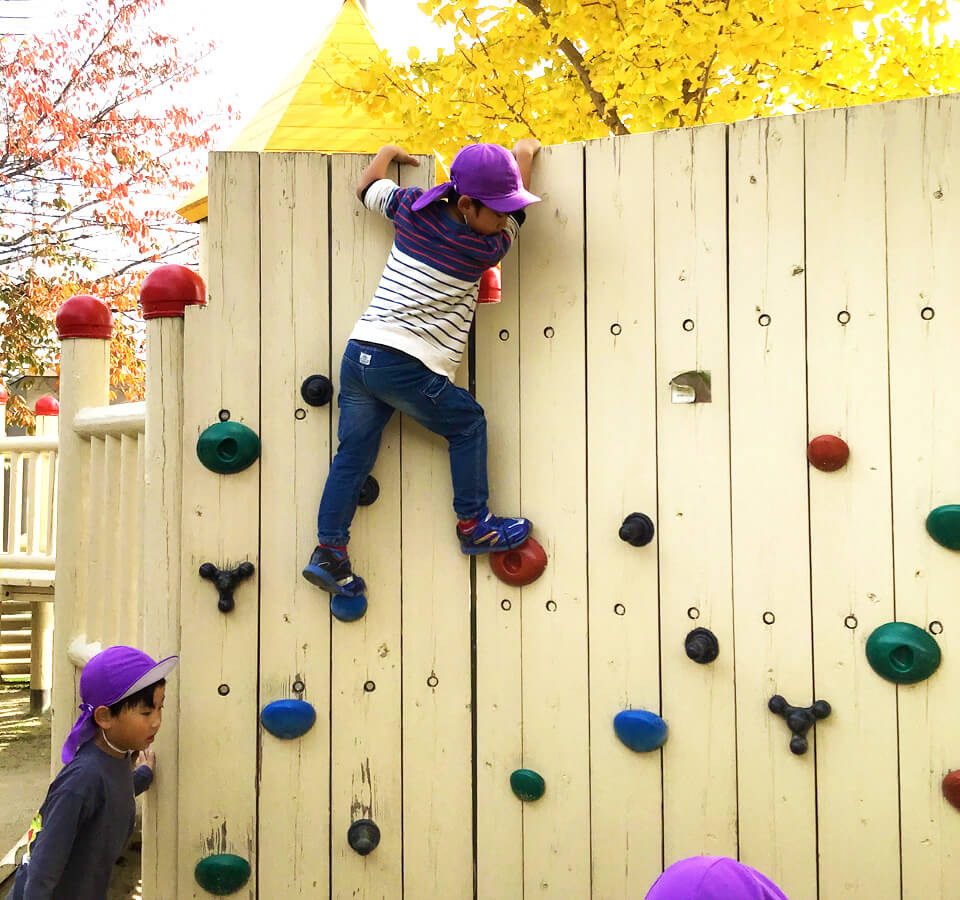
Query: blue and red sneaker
x=329, y=569
x=490, y=534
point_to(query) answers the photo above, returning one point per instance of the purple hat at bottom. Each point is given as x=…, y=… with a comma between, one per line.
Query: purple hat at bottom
x=109, y=677
x=713, y=878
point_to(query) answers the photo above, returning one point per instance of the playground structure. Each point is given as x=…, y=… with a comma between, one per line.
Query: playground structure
x=682, y=314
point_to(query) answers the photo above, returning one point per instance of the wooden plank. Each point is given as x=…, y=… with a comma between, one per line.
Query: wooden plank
x=850, y=524
x=556, y=829
x=499, y=720
x=15, y=503
x=295, y=619
x=91, y=625
x=699, y=786
x=217, y=803
x=922, y=176
x=114, y=558
x=437, y=680
x=771, y=556
x=366, y=742
x=626, y=787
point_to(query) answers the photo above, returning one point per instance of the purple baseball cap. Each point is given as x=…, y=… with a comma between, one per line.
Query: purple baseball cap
x=488, y=173
x=713, y=878
x=108, y=677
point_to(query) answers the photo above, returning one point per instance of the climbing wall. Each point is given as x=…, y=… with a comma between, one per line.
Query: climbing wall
x=683, y=313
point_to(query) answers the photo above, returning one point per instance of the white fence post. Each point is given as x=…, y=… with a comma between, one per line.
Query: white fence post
x=84, y=326
x=165, y=293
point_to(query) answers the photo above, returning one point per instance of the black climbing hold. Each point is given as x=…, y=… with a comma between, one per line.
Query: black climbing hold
x=702, y=645
x=369, y=492
x=316, y=390
x=363, y=836
x=637, y=529
x=800, y=719
x=225, y=580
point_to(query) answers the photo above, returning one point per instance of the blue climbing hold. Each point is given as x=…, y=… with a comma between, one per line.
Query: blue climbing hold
x=640, y=730
x=288, y=718
x=348, y=609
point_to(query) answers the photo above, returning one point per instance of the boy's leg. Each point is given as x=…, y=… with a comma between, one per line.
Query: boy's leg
x=362, y=420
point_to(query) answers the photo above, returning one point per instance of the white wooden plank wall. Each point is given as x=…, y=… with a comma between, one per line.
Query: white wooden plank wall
x=626, y=787
x=295, y=623
x=923, y=221
x=771, y=558
x=218, y=732
x=366, y=742
x=699, y=758
x=850, y=520
x=499, y=648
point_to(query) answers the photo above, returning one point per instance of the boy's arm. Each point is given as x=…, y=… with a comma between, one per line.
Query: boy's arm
x=524, y=151
x=51, y=849
x=381, y=162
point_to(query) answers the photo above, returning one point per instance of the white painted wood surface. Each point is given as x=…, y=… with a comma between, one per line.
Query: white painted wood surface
x=294, y=786
x=220, y=516
x=922, y=181
x=366, y=741
x=770, y=552
x=850, y=521
x=626, y=787
x=699, y=758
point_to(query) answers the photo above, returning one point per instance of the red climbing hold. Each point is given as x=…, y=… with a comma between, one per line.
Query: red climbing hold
x=521, y=565
x=951, y=787
x=828, y=453
x=489, y=286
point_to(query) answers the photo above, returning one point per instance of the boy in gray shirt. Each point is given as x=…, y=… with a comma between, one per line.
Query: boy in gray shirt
x=88, y=814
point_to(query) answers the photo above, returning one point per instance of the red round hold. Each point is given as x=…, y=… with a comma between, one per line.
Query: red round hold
x=490, y=286
x=828, y=453
x=47, y=405
x=4, y=396
x=519, y=566
x=84, y=316
x=951, y=787
x=169, y=289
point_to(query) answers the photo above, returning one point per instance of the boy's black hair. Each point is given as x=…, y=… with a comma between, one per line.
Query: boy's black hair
x=143, y=696
x=453, y=197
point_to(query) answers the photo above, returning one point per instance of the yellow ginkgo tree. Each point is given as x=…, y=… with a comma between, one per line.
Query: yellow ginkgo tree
x=574, y=69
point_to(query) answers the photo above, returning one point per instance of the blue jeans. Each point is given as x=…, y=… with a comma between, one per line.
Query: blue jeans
x=374, y=381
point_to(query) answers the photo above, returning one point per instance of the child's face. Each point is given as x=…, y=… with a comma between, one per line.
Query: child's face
x=484, y=220
x=135, y=726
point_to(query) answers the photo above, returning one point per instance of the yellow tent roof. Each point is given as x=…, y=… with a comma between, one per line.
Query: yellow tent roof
x=295, y=118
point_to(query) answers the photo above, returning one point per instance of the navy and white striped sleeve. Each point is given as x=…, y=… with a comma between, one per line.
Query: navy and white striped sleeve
x=385, y=196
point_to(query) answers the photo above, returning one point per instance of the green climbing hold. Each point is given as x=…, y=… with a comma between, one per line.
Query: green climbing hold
x=527, y=784
x=222, y=873
x=228, y=447
x=901, y=652
x=943, y=525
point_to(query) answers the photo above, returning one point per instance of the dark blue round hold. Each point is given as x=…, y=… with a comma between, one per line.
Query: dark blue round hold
x=288, y=718
x=348, y=609
x=640, y=730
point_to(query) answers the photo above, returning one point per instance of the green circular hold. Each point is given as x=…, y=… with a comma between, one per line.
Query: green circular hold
x=222, y=873
x=527, y=784
x=903, y=653
x=943, y=525
x=228, y=447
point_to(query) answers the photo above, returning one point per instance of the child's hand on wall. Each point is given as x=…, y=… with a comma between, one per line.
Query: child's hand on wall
x=146, y=758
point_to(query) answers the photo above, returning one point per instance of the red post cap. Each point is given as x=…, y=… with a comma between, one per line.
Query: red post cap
x=84, y=316
x=489, y=286
x=47, y=406
x=4, y=396
x=828, y=453
x=169, y=289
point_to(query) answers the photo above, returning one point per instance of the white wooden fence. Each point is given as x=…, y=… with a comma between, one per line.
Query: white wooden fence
x=796, y=260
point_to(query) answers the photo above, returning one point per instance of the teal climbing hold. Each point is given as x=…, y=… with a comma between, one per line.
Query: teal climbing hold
x=943, y=525
x=222, y=873
x=527, y=784
x=228, y=447
x=640, y=730
x=288, y=719
x=903, y=653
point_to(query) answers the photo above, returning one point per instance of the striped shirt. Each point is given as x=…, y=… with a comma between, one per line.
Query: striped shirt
x=427, y=295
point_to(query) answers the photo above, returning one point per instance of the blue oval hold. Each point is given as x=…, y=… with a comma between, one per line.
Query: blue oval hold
x=288, y=718
x=640, y=730
x=348, y=609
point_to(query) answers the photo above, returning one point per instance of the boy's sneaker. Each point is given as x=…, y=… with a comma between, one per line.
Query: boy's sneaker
x=329, y=568
x=492, y=534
